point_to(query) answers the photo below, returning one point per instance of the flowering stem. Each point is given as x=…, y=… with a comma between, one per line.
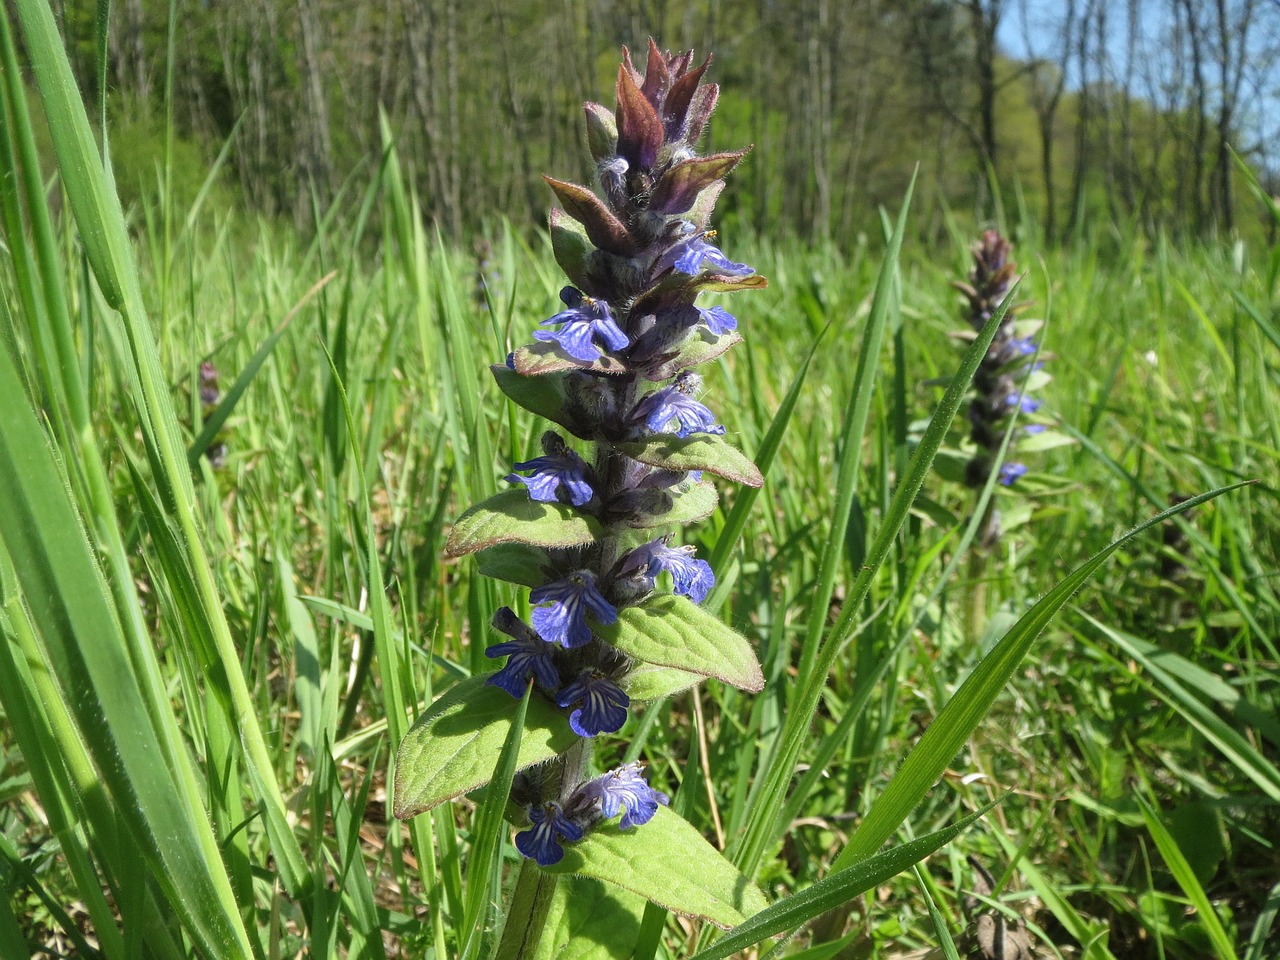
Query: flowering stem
x=527, y=917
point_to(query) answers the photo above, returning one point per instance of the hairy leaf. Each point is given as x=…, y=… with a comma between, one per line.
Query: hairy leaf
x=454, y=746
x=696, y=452
x=511, y=517
x=667, y=861
x=675, y=632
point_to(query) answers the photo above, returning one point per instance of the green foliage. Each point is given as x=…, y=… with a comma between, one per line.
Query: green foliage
x=203, y=668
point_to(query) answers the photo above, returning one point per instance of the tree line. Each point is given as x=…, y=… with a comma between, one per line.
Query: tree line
x=1095, y=108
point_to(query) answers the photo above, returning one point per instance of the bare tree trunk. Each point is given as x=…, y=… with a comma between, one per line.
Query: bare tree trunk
x=1231, y=58
x=1200, y=135
x=1046, y=95
x=315, y=149
x=1083, y=116
x=984, y=20
x=128, y=52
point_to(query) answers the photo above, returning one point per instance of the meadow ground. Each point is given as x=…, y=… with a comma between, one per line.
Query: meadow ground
x=263, y=617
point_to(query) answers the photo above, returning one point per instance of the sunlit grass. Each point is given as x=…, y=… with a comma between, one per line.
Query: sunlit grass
x=310, y=565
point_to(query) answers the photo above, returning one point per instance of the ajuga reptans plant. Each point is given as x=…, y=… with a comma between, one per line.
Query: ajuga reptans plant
x=591, y=525
x=1006, y=377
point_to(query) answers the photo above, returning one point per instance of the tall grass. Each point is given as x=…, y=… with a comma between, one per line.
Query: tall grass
x=204, y=671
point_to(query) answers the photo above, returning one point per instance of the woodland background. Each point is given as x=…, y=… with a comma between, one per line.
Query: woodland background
x=1109, y=109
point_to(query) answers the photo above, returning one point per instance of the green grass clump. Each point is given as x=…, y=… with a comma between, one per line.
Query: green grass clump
x=204, y=670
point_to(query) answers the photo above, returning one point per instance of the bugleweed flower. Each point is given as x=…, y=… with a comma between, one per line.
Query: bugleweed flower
x=692, y=578
x=1001, y=382
x=622, y=790
x=565, y=620
x=583, y=321
x=529, y=656
x=603, y=704
x=615, y=373
x=210, y=394
x=675, y=406
x=559, y=470
x=550, y=825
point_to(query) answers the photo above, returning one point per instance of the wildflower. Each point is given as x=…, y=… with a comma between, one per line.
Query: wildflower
x=718, y=320
x=582, y=321
x=1011, y=472
x=604, y=705
x=695, y=255
x=1023, y=402
x=559, y=470
x=674, y=404
x=565, y=620
x=626, y=789
x=549, y=823
x=691, y=577
x=528, y=656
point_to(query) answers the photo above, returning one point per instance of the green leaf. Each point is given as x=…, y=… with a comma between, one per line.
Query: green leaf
x=690, y=504
x=700, y=348
x=511, y=516
x=490, y=828
x=228, y=403
x=570, y=246
x=1186, y=879
x=834, y=890
x=543, y=357
x=675, y=632
x=647, y=681
x=543, y=396
x=957, y=720
x=669, y=862
x=1045, y=440
x=589, y=920
x=454, y=746
x=697, y=452
x=514, y=563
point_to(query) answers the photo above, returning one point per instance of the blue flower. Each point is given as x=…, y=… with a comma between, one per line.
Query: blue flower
x=539, y=842
x=530, y=656
x=695, y=255
x=565, y=620
x=1011, y=471
x=1023, y=345
x=625, y=788
x=692, y=578
x=604, y=705
x=1023, y=402
x=675, y=404
x=1033, y=428
x=718, y=319
x=559, y=469
x=584, y=319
